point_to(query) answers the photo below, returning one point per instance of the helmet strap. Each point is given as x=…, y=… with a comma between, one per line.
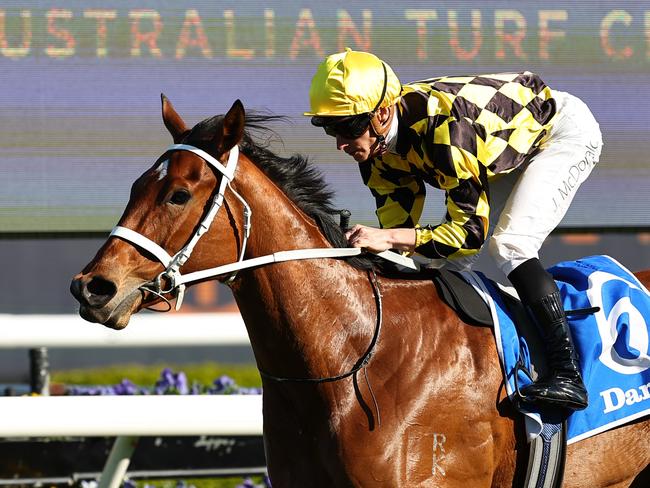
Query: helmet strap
x=381, y=128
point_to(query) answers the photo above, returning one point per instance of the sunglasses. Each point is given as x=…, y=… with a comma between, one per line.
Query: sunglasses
x=348, y=127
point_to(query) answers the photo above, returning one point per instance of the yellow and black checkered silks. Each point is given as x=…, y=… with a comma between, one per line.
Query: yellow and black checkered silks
x=456, y=133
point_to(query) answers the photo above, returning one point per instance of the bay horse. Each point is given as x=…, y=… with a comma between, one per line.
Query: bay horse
x=427, y=409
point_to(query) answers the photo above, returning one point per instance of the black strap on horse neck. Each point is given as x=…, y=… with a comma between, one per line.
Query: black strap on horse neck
x=361, y=363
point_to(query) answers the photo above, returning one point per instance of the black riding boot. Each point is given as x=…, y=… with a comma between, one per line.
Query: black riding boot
x=562, y=386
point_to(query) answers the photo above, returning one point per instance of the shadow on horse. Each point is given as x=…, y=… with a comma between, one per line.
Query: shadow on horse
x=427, y=409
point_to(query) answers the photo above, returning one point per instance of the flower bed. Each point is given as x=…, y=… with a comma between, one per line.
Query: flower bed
x=169, y=383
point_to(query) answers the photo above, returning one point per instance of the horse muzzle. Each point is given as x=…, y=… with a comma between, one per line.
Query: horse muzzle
x=100, y=302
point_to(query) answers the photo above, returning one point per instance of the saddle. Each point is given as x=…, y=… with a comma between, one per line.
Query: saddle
x=456, y=292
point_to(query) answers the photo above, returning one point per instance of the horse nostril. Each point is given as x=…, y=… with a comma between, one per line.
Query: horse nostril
x=98, y=291
x=76, y=288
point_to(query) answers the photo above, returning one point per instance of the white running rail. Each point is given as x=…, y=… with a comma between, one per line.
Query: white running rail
x=127, y=417
x=136, y=415
x=145, y=329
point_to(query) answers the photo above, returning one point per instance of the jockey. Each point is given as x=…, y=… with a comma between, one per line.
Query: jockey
x=509, y=153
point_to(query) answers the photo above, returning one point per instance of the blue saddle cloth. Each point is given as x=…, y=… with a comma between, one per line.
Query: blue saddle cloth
x=613, y=343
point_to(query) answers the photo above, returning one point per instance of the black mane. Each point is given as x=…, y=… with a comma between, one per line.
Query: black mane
x=301, y=181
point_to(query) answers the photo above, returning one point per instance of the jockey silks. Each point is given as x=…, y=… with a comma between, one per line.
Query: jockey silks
x=463, y=135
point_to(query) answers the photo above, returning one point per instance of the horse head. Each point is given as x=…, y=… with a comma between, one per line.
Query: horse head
x=166, y=205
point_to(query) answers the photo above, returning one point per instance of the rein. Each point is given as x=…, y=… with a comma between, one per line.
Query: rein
x=172, y=264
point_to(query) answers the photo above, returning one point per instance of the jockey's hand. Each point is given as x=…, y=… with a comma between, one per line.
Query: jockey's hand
x=378, y=240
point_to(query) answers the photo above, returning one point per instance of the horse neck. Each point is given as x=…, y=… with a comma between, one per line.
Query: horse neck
x=300, y=315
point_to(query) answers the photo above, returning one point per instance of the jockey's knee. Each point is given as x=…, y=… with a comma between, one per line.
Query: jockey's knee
x=461, y=264
x=508, y=252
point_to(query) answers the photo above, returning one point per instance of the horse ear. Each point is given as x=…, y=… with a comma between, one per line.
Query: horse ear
x=233, y=126
x=174, y=123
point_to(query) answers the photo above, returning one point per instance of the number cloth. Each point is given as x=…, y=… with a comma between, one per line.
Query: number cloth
x=613, y=343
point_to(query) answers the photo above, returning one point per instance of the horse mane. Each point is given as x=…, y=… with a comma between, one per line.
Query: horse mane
x=295, y=175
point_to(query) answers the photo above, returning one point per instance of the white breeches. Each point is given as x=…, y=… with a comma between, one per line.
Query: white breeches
x=529, y=202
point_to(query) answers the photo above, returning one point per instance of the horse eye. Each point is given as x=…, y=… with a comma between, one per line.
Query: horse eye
x=180, y=197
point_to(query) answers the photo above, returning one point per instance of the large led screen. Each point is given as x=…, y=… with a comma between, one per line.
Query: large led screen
x=80, y=84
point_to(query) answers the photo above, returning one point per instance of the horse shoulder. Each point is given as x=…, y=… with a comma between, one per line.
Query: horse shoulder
x=436, y=380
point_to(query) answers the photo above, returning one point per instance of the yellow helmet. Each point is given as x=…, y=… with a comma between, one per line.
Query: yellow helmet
x=352, y=83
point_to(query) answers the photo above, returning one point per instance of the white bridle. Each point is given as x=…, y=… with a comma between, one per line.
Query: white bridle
x=173, y=263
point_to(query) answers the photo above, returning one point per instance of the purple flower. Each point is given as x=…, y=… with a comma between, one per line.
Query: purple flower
x=181, y=383
x=247, y=483
x=248, y=391
x=223, y=385
x=126, y=387
x=196, y=388
x=171, y=382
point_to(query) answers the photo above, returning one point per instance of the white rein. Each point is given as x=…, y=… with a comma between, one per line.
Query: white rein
x=172, y=264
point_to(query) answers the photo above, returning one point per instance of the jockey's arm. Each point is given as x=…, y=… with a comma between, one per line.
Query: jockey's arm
x=466, y=225
x=399, y=207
